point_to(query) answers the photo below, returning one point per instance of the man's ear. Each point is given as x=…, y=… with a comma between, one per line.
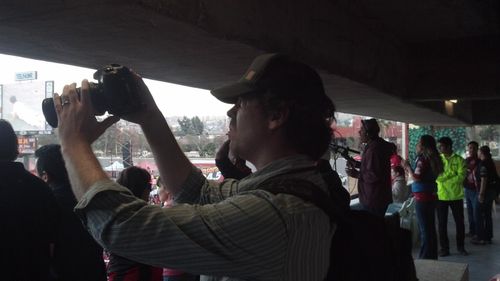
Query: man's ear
x=277, y=118
x=368, y=135
x=45, y=177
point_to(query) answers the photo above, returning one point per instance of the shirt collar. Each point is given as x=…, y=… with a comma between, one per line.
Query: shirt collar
x=275, y=168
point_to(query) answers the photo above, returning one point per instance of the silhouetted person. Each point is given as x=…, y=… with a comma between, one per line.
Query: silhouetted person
x=76, y=255
x=28, y=216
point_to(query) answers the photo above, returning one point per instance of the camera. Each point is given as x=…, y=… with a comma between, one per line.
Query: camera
x=116, y=92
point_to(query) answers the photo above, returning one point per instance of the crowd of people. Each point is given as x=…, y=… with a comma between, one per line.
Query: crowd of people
x=229, y=230
x=440, y=180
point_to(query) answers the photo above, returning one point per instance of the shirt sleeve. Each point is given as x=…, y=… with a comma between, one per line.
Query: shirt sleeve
x=229, y=170
x=420, y=169
x=445, y=174
x=461, y=170
x=483, y=172
x=220, y=239
x=454, y=171
x=198, y=190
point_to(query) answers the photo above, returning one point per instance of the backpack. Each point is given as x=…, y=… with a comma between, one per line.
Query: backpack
x=364, y=247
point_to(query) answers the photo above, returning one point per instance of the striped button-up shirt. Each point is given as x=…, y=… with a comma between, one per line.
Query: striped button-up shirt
x=224, y=231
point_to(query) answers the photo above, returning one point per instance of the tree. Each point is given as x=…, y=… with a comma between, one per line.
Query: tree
x=197, y=126
x=191, y=126
x=208, y=150
x=489, y=133
x=185, y=125
x=457, y=135
x=107, y=141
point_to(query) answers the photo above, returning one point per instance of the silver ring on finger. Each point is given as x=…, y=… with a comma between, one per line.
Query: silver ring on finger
x=64, y=102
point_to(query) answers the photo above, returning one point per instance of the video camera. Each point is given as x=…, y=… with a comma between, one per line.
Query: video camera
x=116, y=92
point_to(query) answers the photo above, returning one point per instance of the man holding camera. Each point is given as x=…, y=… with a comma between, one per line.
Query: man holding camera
x=227, y=231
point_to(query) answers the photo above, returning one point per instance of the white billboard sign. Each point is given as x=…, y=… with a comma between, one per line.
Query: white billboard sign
x=28, y=75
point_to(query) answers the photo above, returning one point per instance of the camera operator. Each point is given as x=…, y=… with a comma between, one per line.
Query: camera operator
x=374, y=174
x=229, y=230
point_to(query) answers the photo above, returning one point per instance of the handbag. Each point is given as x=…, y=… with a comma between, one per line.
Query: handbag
x=408, y=219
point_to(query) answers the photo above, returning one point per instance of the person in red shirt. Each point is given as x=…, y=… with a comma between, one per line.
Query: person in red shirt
x=395, y=158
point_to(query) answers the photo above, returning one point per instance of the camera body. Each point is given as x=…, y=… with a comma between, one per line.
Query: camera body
x=116, y=92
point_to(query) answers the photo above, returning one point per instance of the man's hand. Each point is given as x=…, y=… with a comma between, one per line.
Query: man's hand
x=78, y=129
x=480, y=198
x=406, y=165
x=351, y=170
x=223, y=152
x=173, y=165
x=150, y=111
x=77, y=123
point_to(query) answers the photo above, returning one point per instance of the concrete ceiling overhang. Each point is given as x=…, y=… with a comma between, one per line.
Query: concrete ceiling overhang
x=397, y=60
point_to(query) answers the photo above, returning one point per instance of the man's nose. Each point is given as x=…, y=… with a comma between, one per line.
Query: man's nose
x=232, y=112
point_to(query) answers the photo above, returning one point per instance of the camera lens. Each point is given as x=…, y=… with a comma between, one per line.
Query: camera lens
x=49, y=111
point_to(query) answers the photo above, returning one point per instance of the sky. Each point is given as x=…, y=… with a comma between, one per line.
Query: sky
x=172, y=99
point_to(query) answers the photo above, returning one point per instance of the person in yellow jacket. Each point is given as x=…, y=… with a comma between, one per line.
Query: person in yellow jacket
x=451, y=194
